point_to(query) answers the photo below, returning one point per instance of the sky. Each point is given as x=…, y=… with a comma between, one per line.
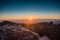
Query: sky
x=24, y=9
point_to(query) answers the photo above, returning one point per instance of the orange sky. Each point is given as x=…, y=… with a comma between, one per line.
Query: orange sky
x=27, y=17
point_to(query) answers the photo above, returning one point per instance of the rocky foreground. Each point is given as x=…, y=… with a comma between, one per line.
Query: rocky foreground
x=10, y=32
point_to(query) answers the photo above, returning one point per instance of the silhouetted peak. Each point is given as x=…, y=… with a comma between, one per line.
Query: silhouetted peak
x=51, y=22
x=6, y=22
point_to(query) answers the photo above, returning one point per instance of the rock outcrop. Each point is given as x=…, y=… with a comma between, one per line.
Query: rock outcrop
x=10, y=32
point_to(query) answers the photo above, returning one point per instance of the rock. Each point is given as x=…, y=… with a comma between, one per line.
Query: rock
x=17, y=33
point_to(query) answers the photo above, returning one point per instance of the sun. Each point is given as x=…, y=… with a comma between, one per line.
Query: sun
x=30, y=18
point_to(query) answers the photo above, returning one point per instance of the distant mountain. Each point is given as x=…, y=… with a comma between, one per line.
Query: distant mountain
x=55, y=21
x=7, y=22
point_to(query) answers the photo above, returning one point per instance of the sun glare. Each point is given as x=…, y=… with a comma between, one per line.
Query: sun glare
x=30, y=18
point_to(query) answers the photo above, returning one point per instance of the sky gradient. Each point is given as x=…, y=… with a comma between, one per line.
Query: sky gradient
x=23, y=9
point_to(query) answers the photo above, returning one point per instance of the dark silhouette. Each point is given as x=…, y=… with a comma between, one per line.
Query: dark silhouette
x=43, y=29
